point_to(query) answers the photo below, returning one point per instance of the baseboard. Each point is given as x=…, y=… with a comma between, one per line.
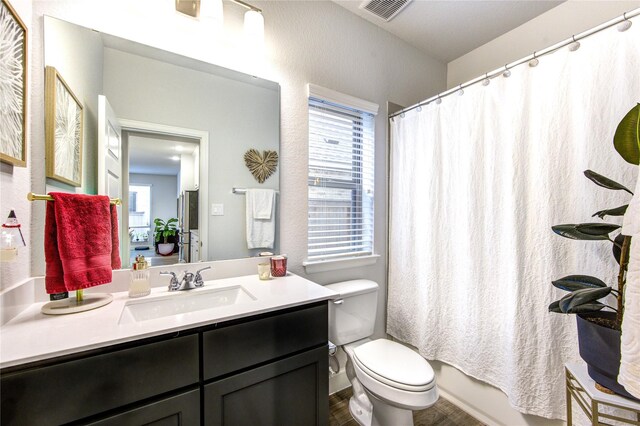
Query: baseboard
x=479, y=415
x=338, y=382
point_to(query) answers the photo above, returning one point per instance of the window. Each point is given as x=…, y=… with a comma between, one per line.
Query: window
x=139, y=212
x=341, y=178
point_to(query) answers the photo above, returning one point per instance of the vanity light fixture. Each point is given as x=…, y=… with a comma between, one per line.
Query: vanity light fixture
x=210, y=11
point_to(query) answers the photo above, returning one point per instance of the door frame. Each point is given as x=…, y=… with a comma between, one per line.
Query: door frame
x=203, y=187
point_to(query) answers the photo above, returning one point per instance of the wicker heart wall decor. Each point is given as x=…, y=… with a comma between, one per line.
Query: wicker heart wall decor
x=262, y=165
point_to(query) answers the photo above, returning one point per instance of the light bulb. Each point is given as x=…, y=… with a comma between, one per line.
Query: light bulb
x=254, y=29
x=211, y=12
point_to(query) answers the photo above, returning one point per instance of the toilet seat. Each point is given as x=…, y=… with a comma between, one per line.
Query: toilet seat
x=394, y=365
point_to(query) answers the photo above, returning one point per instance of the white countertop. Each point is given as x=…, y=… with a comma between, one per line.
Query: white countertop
x=34, y=336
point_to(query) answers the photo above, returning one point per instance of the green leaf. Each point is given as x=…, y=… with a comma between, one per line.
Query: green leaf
x=571, y=301
x=597, y=228
x=605, y=182
x=555, y=307
x=586, y=308
x=570, y=231
x=577, y=282
x=626, y=140
x=618, y=211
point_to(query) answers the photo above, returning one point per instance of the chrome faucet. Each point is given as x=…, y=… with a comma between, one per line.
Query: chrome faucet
x=189, y=280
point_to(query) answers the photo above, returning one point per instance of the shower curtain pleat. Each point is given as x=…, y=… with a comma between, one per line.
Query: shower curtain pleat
x=476, y=184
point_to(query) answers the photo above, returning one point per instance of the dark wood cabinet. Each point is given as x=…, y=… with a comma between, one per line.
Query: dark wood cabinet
x=289, y=392
x=269, y=369
x=178, y=410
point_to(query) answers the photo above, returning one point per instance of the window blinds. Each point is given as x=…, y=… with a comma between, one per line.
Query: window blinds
x=340, y=182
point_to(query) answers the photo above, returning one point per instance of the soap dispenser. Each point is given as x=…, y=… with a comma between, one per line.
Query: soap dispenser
x=140, y=284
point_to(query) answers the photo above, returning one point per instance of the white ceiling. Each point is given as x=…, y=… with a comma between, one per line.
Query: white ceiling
x=151, y=154
x=446, y=30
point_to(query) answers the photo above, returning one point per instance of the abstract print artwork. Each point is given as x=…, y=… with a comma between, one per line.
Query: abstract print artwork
x=13, y=85
x=63, y=130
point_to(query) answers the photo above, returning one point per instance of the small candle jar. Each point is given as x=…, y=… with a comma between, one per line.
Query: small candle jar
x=8, y=249
x=140, y=284
x=279, y=266
x=264, y=271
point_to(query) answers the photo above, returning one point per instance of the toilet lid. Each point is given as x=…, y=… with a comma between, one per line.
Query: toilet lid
x=395, y=365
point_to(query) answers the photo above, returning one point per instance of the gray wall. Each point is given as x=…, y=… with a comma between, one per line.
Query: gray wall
x=237, y=115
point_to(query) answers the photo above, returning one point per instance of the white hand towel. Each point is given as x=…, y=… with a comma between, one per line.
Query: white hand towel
x=262, y=200
x=260, y=232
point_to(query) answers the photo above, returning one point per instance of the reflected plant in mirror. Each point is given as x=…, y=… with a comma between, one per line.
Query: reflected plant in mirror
x=190, y=117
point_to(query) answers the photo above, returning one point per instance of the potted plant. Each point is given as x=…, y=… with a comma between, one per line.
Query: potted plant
x=599, y=323
x=162, y=231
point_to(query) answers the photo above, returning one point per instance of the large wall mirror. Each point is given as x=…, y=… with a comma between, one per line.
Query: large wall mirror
x=184, y=127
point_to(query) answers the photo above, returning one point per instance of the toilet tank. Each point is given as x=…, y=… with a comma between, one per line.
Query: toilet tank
x=352, y=316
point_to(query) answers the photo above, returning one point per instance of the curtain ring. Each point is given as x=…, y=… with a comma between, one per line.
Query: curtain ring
x=575, y=45
x=625, y=24
x=506, y=72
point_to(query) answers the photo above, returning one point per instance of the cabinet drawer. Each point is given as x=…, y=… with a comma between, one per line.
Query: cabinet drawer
x=179, y=410
x=75, y=389
x=239, y=346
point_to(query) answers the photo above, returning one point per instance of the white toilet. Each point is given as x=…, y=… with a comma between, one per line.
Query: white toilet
x=389, y=380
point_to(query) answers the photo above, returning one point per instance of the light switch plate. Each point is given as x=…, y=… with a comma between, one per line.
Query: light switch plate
x=217, y=209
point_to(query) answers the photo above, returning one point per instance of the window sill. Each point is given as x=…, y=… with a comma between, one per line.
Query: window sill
x=312, y=267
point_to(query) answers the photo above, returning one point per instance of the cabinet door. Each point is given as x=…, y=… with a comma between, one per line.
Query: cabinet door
x=179, y=410
x=85, y=387
x=293, y=391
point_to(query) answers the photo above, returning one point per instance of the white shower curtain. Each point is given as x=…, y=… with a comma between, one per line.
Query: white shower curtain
x=476, y=184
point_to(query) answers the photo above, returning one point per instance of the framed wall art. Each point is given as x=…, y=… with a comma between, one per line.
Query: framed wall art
x=13, y=87
x=63, y=130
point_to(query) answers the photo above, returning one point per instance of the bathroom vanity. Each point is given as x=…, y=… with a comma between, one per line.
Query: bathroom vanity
x=259, y=361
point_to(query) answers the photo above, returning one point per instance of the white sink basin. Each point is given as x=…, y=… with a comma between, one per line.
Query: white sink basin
x=182, y=303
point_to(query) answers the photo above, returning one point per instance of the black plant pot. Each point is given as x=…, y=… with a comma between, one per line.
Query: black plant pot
x=600, y=348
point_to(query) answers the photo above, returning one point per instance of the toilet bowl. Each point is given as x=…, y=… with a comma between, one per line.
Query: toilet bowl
x=389, y=380
x=394, y=379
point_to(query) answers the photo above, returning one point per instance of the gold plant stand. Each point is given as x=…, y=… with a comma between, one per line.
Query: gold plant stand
x=582, y=387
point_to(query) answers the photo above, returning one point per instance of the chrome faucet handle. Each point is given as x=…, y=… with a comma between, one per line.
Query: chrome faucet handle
x=174, y=284
x=198, y=280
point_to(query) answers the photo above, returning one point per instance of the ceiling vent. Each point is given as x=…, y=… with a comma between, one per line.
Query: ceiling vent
x=384, y=9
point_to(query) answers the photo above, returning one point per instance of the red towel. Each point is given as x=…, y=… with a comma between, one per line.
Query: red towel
x=81, y=242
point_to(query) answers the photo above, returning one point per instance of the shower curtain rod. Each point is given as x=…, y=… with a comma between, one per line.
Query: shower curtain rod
x=537, y=54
